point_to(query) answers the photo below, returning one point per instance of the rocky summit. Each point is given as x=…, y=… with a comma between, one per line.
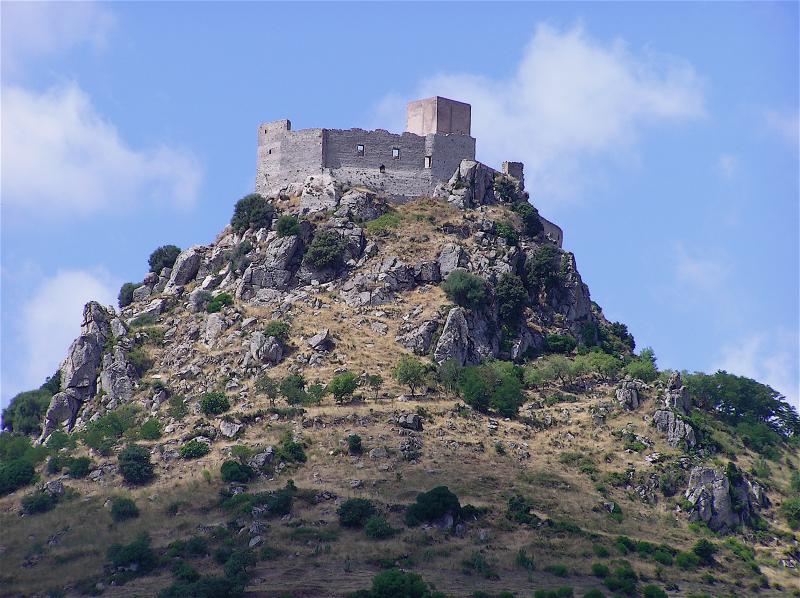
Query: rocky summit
x=350, y=394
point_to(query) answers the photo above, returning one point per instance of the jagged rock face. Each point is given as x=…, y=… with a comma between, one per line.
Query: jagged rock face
x=451, y=257
x=468, y=337
x=628, y=393
x=265, y=349
x=679, y=432
x=319, y=194
x=117, y=375
x=573, y=302
x=360, y=206
x=215, y=326
x=721, y=504
x=185, y=268
x=527, y=340
x=470, y=186
x=676, y=395
x=79, y=370
x=275, y=271
x=419, y=339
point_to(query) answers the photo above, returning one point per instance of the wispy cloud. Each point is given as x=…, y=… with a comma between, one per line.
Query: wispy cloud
x=727, y=166
x=786, y=125
x=571, y=99
x=60, y=155
x=699, y=273
x=770, y=358
x=35, y=30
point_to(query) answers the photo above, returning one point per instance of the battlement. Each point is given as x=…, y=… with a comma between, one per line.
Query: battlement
x=408, y=164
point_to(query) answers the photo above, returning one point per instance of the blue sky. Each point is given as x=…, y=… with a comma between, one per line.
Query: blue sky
x=663, y=138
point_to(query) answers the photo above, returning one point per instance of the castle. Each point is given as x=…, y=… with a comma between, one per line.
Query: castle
x=404, y=165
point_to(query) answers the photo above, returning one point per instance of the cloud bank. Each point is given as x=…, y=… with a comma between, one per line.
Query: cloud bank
x=572, y=99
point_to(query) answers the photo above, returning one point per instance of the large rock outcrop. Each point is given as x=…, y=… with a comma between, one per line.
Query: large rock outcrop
x=629, y=393
x=468, y=337
x=679, y=432
x=723, y=500
x=185, y=268
x=676, y=395
x=80, y=369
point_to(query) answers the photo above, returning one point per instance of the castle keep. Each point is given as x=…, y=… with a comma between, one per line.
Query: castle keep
x=409, y=164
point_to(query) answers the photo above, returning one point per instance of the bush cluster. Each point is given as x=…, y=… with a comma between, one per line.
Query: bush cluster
x=135, y=465
x=163, y=257
x=343, y=386
x=137, y=556
x=125, y=296
x=252, y=211
x=26, y=410
x=465, y=289
x=530, y=218
x=194, y=449
x=214, y=403
x=543, y=269
x=354, y=512
x=287, y=225
x=38, y=502
x=218, y=302
x=377, y=528
x=494, y=386
x=234, y=471
x=279, y=329
x=123, y=508
x=511, y=298
x=325, y=251
x=505, y=230
x=432, y=505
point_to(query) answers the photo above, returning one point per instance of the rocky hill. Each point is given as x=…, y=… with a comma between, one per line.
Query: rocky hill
x=344, y=396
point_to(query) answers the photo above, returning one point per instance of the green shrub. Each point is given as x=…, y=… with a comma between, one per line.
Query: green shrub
x=600, y=570
x=530, y=218
x=410, y=372
x=233, y=471
x=214, y=403
x=279, y=329
x=600, y=550
x=524, y=561
x=506, y=231
x=290, y=450
x=238, y=260
x=194, y=449
x=134, y=465
x=287, y=226
x=519, y=510
x=397, y=584
x=151, y=429
x=622, y=580
x=163, y=257
x=432, y=505
x=705, y=551
x=38, y=502
x=268, y=387
x=557, y=569
x=542, y=269
x=486, y=387
x=687, y=560
x=465, y=289
x=354, y=444
x=663, y=557
x=184, y=571
x=642, y=369
x=252, y=211
x=138, y=553
x=354, y=512
x=559, y=343
x=653, y=591
x=79, y=467
x=477, y=563
x=123, y=508
x=26, y=411
x=125, y=297
x=377, y=528
x=343, y=385
x=218, y=302
x=511, y=298
x=794, y=483
x=325, y=251
x=564, y=592
x=791, y=511
x=15, y=474
x=384, y=222
x=293, y=389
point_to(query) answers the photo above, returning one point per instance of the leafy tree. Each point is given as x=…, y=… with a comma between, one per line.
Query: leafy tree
x=163, y=257
x=15, y=474
x=292, y=388
x=410, y=372
x=26, y=411
x=354, y=444
x=643, y=367
x=287, y=225
x=738, y=399
x=355, y=512
x=511, y=297
x=125, y=297
x=486, y=387
x=151, y=429
x=315, y=393
x=267, y=386
x=465, y=289
x=343, y=385
x=377, y=528
x=559, y=343
x=432, y=505
x=278, y=329
x=214, y=403
x=604, y=364
x=134, y=464
x=542, y=269
x=375, y=382
x=325, y=251
x=234, y=471
x=530, y=218
x=252, y=211
x=450, y=372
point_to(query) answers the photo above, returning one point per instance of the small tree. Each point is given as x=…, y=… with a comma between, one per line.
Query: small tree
x=214, y=403
x=410, y=372
x=123, y=508
x=315, y=392
x=375, y=382
x=267, y=386
x=292, y=388
x=234, y=471
x=326, y=250
x=355, y=512
x=511, y=297
x=287, y=225
x=449, y=373
x=134, y=464
x=343, y=385
x=125, y=296
x=354, y=444
x=465, y=289
x=163, y=257
x=252, y=211
x=194, y=449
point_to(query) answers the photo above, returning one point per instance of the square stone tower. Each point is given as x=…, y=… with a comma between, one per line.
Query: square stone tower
x=438, y=115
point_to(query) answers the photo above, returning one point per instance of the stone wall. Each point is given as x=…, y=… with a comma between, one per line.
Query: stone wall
x=285, y=157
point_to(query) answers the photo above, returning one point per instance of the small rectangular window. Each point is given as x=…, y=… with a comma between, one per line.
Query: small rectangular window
x=360, y=149
x=427, y=161
x=396, y=153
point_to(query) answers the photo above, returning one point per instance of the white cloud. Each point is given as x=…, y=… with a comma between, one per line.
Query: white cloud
x=571, y=99
x=786, y=125
x=51, y=319
x=768, y=358
x=727, y=166
x=60, y=155
x=35, y=30
x=699, y=273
